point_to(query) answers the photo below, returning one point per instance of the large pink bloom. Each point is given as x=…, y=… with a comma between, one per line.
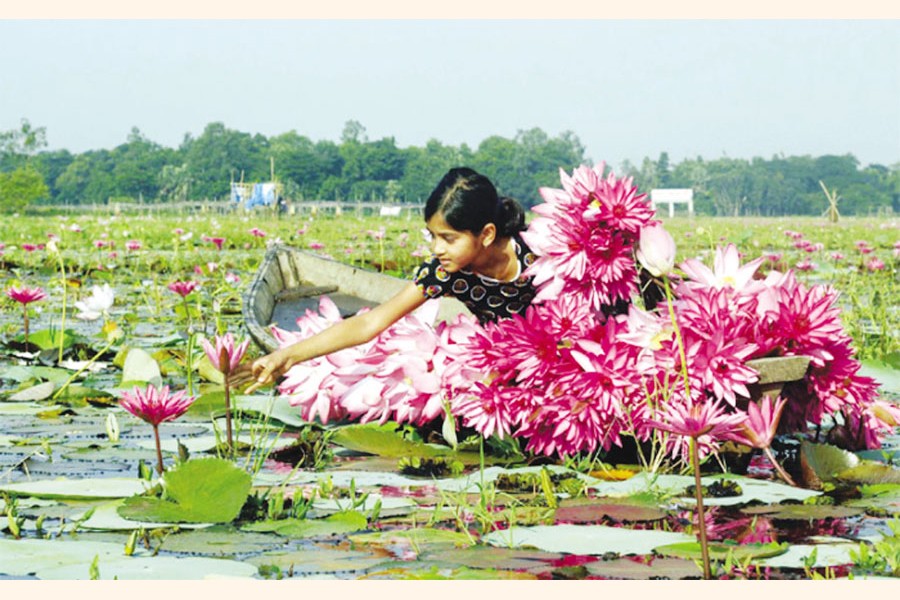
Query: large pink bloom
x=761, y=424
x=25, y=294
x=154, y=405
x=707, y=422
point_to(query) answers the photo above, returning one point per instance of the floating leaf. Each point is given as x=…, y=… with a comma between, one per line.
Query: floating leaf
x=803, y=512
x=318, y=561
x=389, y=506
x=585, y=539
x=47, y=339
x=106, y=517
x=29, y=556
x=205, y=490
x=139, y=368
x=153, y=568
x=593, y=511
x=342, y=522
x=416, y=537
x=41, y=391
x=383, y=440
x=74, y=489
x=221, y=540
x=490, y=557
x=797, y=555
x=721, y=550
x=870, y=473
x=826, y=461
x=653, y=567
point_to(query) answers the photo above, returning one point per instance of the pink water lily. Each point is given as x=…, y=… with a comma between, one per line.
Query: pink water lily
x=25, y=295
x=156, y=406
x=656, y=250
x=224, y=355
x=183, y=288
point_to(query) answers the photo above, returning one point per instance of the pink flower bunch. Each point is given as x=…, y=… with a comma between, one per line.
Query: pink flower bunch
x=400, y=375
x=183, y=288
x=257, y=232
x=25, y=294
x=584, y=236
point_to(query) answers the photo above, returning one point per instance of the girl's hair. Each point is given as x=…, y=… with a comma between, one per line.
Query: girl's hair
x=468, y=201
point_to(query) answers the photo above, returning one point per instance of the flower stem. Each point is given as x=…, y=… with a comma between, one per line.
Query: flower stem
x=159, y=460
x=81, y=370
x=701, y=520
x=778, y=468
x=669, y=303
x=228, y=434
x=25, y=315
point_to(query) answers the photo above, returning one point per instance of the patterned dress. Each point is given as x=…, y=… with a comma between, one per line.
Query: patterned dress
x=489, y=299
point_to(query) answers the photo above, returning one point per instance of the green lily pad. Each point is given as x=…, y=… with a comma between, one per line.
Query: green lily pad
x=585, y=539
x=390, y=506
x=491, y=557
x=221, y=540
x=46, y=339
x=826, y=461
x=27, y=556
x=878, y=499
x=318, y=561
x=383, y=440
x=106, y=517
x=75, y=489
x=41, y=391
x=342, y=522
x=204, y=490
x=827, y=555
x=754, y=490
x=139, y=368
x=418, y=537
x=278, y=408
x=720, y=551
x=592, y=511
x=154, y=568
x=803, y=512
x=423, y=572
x=870, y=473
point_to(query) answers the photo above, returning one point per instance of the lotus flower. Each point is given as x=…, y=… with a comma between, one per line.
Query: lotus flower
x=656, y=250
x=97, y=304
x=183, y=288
x=225, y=357
x=25, y=296
x=156, y=406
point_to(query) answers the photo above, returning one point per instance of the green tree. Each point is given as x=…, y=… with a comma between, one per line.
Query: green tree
x=220, y=155
x=21, y=187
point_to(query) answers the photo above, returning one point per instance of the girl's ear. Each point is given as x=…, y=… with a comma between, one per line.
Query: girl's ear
x=488, y=234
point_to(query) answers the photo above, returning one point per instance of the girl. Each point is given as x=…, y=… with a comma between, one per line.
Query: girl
x=478, y=257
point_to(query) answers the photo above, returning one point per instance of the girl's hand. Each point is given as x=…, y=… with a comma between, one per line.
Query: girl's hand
x=269, y=368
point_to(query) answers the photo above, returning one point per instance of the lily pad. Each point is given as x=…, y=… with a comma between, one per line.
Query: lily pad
x=585, y=539
x=154, y=568
x=29, y=556
x=720, y=551
x=418, y=537
x=139, y=368
x=318, y=561
x=342, y=522
x=650, y=567
x=106, y=517
x=74, y=489
x=389, y=506
x=803, y=512
x=827, y=461
x=278, y=408
x=221, y=540
x=870, y=473
x=205, y=490
x=592, y=511
x=827, y=555
x=41, y=391
x=383, y=440
x=491, y=557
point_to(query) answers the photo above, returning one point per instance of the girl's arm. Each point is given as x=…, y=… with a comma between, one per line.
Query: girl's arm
x=352, y=331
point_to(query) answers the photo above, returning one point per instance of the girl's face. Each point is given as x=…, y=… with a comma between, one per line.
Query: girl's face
x=455, y=249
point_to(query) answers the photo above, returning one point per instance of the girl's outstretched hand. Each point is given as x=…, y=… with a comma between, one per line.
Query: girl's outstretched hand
x=266, y=370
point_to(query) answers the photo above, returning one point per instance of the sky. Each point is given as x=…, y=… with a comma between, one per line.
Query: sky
x=629, y=89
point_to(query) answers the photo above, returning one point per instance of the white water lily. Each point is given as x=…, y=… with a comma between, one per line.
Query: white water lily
x=97, y=304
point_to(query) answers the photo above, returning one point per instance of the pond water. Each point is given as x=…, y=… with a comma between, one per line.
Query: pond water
x=380, y=503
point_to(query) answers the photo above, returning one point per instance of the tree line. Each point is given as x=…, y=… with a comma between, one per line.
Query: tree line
x=363, y=170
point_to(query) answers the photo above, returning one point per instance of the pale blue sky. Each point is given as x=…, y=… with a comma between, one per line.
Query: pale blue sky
x=628, y=89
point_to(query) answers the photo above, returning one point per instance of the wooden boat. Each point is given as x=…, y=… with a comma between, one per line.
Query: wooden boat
x=289, y=281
